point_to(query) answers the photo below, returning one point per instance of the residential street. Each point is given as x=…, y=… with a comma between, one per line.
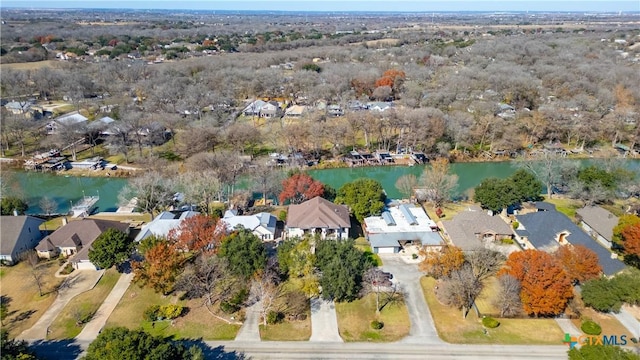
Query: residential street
x=75, y=284
x=407, y=276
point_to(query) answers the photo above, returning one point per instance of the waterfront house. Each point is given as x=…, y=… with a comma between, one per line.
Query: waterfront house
x=19, y=234
x=473, y=228
x=398, y=226
x=318, y=216
x=74, y=240
x=599, y=223
x=547, y=230
x=262, y=225
x=70, y=119
x=163, y=223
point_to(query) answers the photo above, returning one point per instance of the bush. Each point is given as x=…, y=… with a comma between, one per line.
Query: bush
x=515, y=225
x=151, y=313
x=377, y=325
x=171, y=311
x=590, y=327
x=274, y=317
x=490, y=322
x=228, y=307
x=414, y=256
x=282, y=216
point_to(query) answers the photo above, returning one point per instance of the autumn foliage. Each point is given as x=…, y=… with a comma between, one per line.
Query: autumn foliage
x=196, y=233
x=159, y=268
x=300, y=187
x=441, y=263
x=546, y=287
x=631, y=239
x=579, y=262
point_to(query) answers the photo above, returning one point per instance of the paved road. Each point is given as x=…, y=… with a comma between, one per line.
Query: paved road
x=334, y=350
x=92, y=329
x=568, y=328
x=78, y=282
x=324, y=322
x=629, y=321
x=250, y=330
x=407, y=276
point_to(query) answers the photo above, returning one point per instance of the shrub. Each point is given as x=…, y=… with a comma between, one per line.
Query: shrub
x=414, y=256
x=228, y=307
x=490, y=322
x=377, y=325
x=590, y=327
x=515, y=225
x=282, y=216
x=274, y=317
x=171, y=311
x=151, y=313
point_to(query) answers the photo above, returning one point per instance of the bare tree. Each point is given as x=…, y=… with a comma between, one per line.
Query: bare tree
x=37, y=272
x=152, y=191
x=200, y=187
x=484, y=262
x=267, y=180
x=438, y=182
x=375, y=281
x=460, y=289
x=405, y=184
x=265, y=287
x=47, y=205
x=508, y=296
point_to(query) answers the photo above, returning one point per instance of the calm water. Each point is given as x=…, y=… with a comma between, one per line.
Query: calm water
x=66, y=189
x=470, y=175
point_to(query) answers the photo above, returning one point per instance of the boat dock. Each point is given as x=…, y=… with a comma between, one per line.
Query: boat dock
x=85, y=207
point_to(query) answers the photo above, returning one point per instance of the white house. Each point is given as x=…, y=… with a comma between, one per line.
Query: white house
x=262, y=225
x=163, y=223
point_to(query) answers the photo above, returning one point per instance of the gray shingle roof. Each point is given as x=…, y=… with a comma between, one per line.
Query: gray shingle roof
x=599, y=219
x=544, y=226
x=464, y=228
x=318, y=213
x=11, y=227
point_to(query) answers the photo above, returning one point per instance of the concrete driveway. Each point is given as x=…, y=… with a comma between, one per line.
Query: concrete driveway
x=324, y=322
x=407, y=276
x=78, y=282
x=250, y=330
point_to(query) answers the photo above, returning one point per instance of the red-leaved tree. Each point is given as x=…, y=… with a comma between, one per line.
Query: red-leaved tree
x=197, y=233
x=546, y=288
x=579, y=262
x=300, y=187
x=159, y=268
x=631, y=239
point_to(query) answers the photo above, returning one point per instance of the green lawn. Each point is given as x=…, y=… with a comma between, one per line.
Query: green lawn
x=453, y=328
x=354, y=320
x=195, y=324
x=287, y=331
x=566, y=206
x=65, y=326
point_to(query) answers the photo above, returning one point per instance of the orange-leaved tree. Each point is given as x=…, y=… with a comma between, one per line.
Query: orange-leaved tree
x=197, y=233
x=631, y=239
x=579, y=262
x=441, y=263
x=546, y=288
x=300, y=187
x=159, y=267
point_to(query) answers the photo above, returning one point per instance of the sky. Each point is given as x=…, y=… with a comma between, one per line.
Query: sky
x=349, y=5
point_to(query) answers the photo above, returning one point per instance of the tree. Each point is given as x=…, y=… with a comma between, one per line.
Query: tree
x=546, y=288
x=598, y=352
x=579, y=262
x=601, y=295
x=197, y=233
x=159, y=268
x=484, y=262
x=342, y=266
x=265, y=286
x=244, y=251
x=112, y=247
x=207, y=278
x=300, y=187
x=631, y=240
x=377, y=281
x=11, y=203
x=267, y=180
x=460, y=288
x=438, y=181
x=495, y=194
x=201, y=188
x=152, y=192
x=405, y=184
x=12, y=349
x=624, y=221
x=508, y=297
x=296, y=259
x=37, y=272
x=441, y=263
x=365, y=197
x=123, y=344
x=47, y=205
x=526, y=186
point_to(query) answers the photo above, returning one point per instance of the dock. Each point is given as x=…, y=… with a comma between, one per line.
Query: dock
x=85, y=207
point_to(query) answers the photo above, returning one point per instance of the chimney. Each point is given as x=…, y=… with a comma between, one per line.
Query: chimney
x=64, y=221
x=15, y=212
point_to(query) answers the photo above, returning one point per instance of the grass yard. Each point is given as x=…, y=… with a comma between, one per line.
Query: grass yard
x=65, y=325
x=354, y=321
x=566, y=206
x=449, y=210
x=609, y=324
x=287, y=331
x=197, y=323
x=453, y=329
x=362, y=244
x=25, y=305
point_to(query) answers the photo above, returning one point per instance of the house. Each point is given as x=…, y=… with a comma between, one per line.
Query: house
x=399, y=226
x=380, y=106
x=19, y=234
x=318, y=216
x=19, y=107
x=163, y=223
x=74, y=240
x=70, y=119
x=335, y=110
x=262, y=225
x=472, y=228
x=505, y=111
x=547, y=229
x=254, y=108
x=295, y=111
x=271, y=110
x=598, y=223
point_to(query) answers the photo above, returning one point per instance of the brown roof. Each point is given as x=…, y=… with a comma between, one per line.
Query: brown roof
x=318, y=213
x=79, y=233
x=464, y=228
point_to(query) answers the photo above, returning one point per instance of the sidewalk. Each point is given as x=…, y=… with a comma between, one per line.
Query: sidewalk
x=93, y=328
x=568, y=328
x=78, y=282
x=250, y=330
x=629, y=321
x=324, y=322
